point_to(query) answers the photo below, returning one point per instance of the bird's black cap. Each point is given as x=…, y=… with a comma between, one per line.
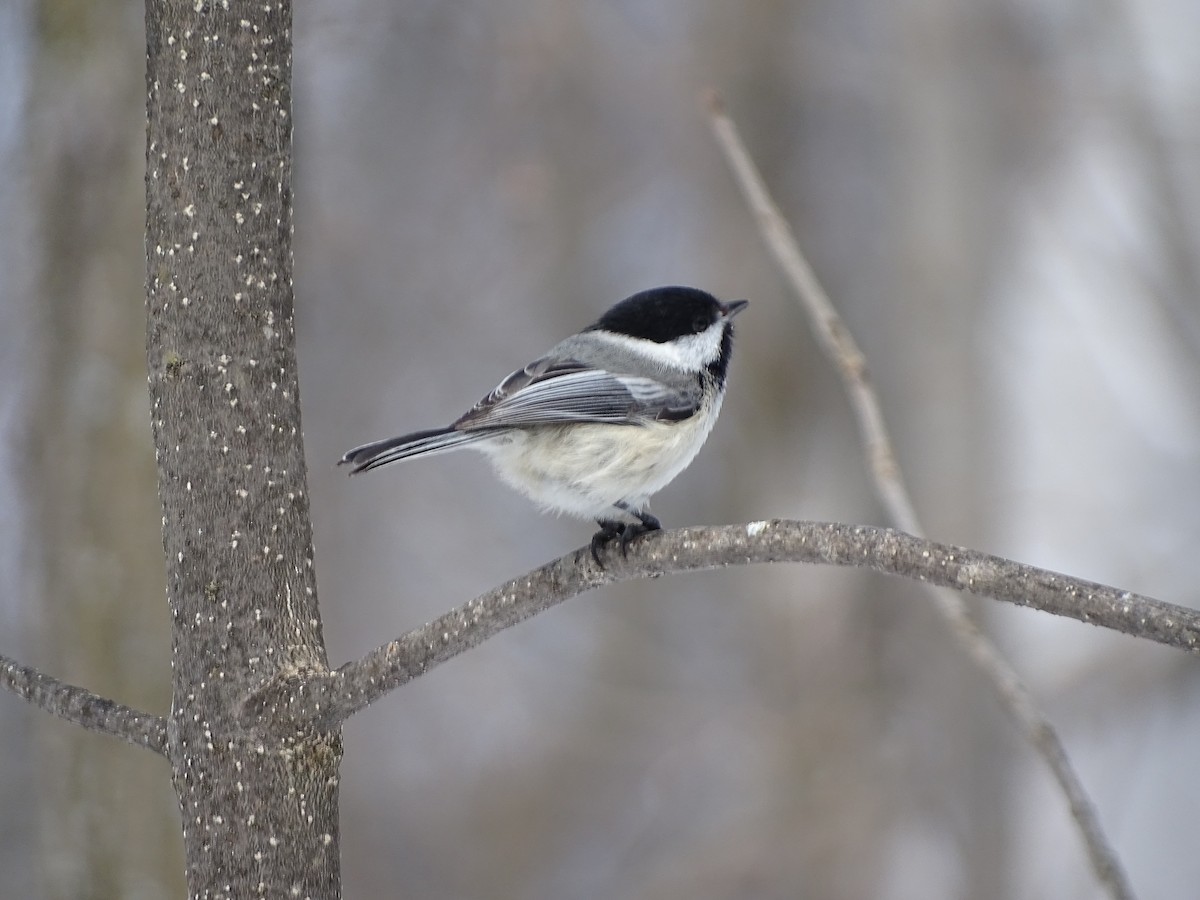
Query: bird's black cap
x=665, y=313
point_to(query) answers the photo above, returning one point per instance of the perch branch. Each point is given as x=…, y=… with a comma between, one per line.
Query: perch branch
x=331, y=698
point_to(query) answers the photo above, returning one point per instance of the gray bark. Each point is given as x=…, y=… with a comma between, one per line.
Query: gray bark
x=259, y=803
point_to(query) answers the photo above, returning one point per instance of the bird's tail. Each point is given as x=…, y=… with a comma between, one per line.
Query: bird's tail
x=419, y=443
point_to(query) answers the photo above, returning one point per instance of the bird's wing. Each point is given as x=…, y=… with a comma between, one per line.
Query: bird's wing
x=556, y=391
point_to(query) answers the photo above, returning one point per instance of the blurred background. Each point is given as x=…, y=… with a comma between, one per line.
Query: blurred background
x=1003, y=198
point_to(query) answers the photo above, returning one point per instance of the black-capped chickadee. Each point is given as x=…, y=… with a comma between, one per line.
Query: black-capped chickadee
x=605, y=419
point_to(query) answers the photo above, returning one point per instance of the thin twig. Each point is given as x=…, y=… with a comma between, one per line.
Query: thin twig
x=81, y=706
x=838, y=344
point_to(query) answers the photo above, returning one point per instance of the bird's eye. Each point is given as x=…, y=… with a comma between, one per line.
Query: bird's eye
x=700, y=323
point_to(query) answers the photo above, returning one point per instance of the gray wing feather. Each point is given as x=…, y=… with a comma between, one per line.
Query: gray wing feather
x=555, y=392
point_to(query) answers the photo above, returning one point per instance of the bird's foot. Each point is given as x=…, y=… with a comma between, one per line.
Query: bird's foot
x=625, y=531
x=646, y=522
x=600, y=540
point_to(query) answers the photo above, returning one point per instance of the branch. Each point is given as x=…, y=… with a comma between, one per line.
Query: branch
x=840, y=348
x=331, y=698
x=82, y=707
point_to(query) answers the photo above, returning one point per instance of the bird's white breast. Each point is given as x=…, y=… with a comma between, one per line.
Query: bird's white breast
x=584, y=469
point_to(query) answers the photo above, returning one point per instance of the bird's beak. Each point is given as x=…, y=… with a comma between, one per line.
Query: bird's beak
x=733, y=307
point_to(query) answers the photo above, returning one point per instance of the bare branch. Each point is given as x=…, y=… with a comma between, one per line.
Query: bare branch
x=82, y=707
x=331, y=698
x=840, y=348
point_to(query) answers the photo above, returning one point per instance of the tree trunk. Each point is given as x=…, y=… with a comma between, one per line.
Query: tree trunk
x=259, y=799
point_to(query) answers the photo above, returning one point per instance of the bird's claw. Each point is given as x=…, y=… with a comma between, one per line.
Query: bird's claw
x=608, y=531
x=626, y=532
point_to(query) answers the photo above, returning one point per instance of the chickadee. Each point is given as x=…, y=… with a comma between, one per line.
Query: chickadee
x=605, y=419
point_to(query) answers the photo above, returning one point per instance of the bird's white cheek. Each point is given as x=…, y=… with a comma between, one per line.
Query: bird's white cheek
x=690, y=353
x=696, y=351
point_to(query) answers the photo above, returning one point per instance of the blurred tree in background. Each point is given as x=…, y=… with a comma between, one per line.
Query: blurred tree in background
x=1002, y=197
x=104, y=821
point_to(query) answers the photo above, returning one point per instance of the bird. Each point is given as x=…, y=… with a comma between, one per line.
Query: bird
x=602, y=421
